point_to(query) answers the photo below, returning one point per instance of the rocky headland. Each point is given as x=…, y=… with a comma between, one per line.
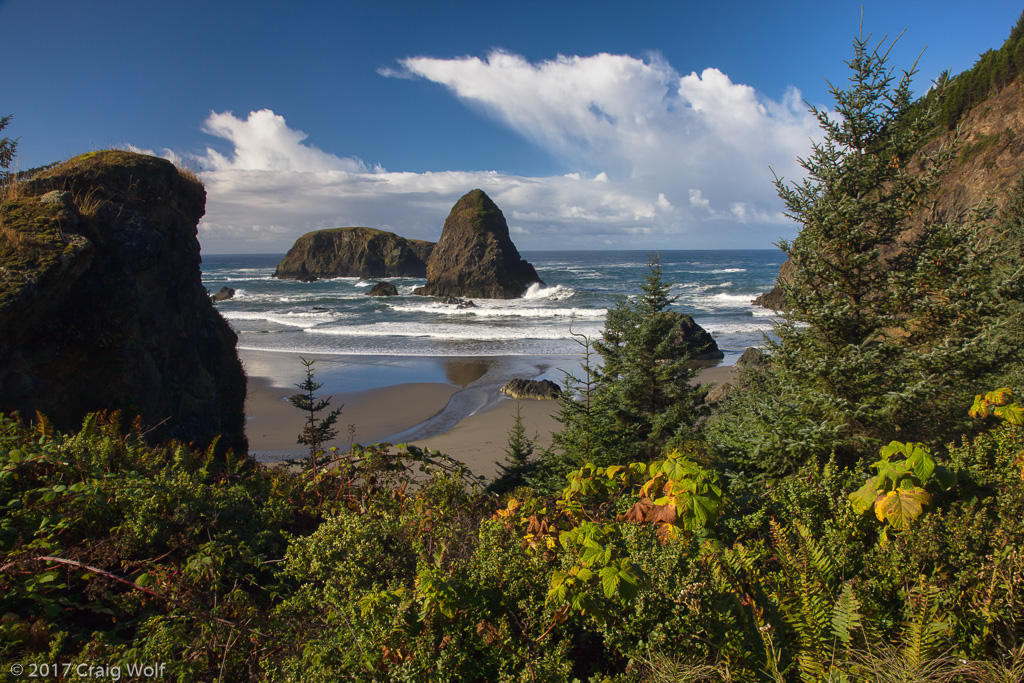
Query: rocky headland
x=102, y=306
x=475, y=256
x=990, y=140
x=354, y=252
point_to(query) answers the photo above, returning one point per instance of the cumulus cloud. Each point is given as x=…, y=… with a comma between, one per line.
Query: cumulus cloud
x=264, y=142
x=638, y=118
x=654, y=159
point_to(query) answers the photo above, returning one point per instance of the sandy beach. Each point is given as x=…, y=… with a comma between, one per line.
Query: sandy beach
x=448, y=404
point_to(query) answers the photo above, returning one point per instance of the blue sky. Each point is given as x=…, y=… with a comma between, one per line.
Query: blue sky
x=591, y=124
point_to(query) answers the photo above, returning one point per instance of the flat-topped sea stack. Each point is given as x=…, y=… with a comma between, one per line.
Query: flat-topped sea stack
x=354, y=252
x=475, y=256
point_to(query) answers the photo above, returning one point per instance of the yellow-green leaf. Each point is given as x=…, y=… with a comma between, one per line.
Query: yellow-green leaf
x=901, y=507
x=863, y=498
x=1012, y=413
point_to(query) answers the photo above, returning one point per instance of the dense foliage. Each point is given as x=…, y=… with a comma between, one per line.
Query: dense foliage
x=826, y=525
x=112, y=551
x=888, y=330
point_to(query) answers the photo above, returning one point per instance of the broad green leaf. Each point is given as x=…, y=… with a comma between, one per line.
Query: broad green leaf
x=1000, y=397
x=922, y=462
x=890, y=473
x=583, y=574
x=610, y=581
x=945, y=477
x=638, y=468
x=980, y=407
x=704, y=509
x=142, y=580
x=896, y=448
x=594, y=553
x=629, y=582
x=675, y=468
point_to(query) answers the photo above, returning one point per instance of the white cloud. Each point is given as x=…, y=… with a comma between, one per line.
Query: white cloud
x=264, y=142
x=697, y=200
x=654, y=160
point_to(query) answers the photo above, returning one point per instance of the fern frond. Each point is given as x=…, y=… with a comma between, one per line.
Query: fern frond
x=805, y=598
x=922, y=632
x=44, y=428
x=846, y=617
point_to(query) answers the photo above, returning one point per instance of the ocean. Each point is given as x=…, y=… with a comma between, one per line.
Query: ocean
x=335, y=317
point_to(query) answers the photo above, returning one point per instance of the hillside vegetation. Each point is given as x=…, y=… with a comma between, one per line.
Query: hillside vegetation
x=994, y=70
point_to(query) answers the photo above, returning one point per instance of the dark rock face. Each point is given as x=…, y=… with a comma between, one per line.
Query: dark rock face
x=459, y=303
x=354, y=252
x=475, y=256
x=102, y=304
x=383, y=289
x=223, y=294
x=687, y=334
x=532, y=389
x=773, y=299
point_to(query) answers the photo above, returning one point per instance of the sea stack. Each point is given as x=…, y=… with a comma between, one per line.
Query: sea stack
x=354, y=252
x=102, y=305
x=475, y=256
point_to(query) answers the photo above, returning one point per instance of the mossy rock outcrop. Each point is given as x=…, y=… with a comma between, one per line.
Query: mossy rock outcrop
x=532, y=389
x=475, y=256
x=102, y=305
x=354, y=252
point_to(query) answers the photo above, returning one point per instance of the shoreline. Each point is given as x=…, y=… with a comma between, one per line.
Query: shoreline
x=449, y=404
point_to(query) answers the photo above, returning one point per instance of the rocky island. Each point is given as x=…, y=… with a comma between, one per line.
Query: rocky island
x=354, y=252
x=102, y=305
x=475, y=256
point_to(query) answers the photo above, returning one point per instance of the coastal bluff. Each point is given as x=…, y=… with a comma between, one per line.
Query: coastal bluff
x=354, y=252
x=475, y=256
x=989, y=139
x=102, y=305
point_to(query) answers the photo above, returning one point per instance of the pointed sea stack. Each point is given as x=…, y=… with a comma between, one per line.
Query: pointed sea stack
x=475, y=256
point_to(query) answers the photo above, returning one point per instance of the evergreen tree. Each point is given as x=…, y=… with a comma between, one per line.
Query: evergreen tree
x=316, y=432
x=518, y=451
x=640, y=397
x=647, y=371
x=8, y=148
x=888, y=329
